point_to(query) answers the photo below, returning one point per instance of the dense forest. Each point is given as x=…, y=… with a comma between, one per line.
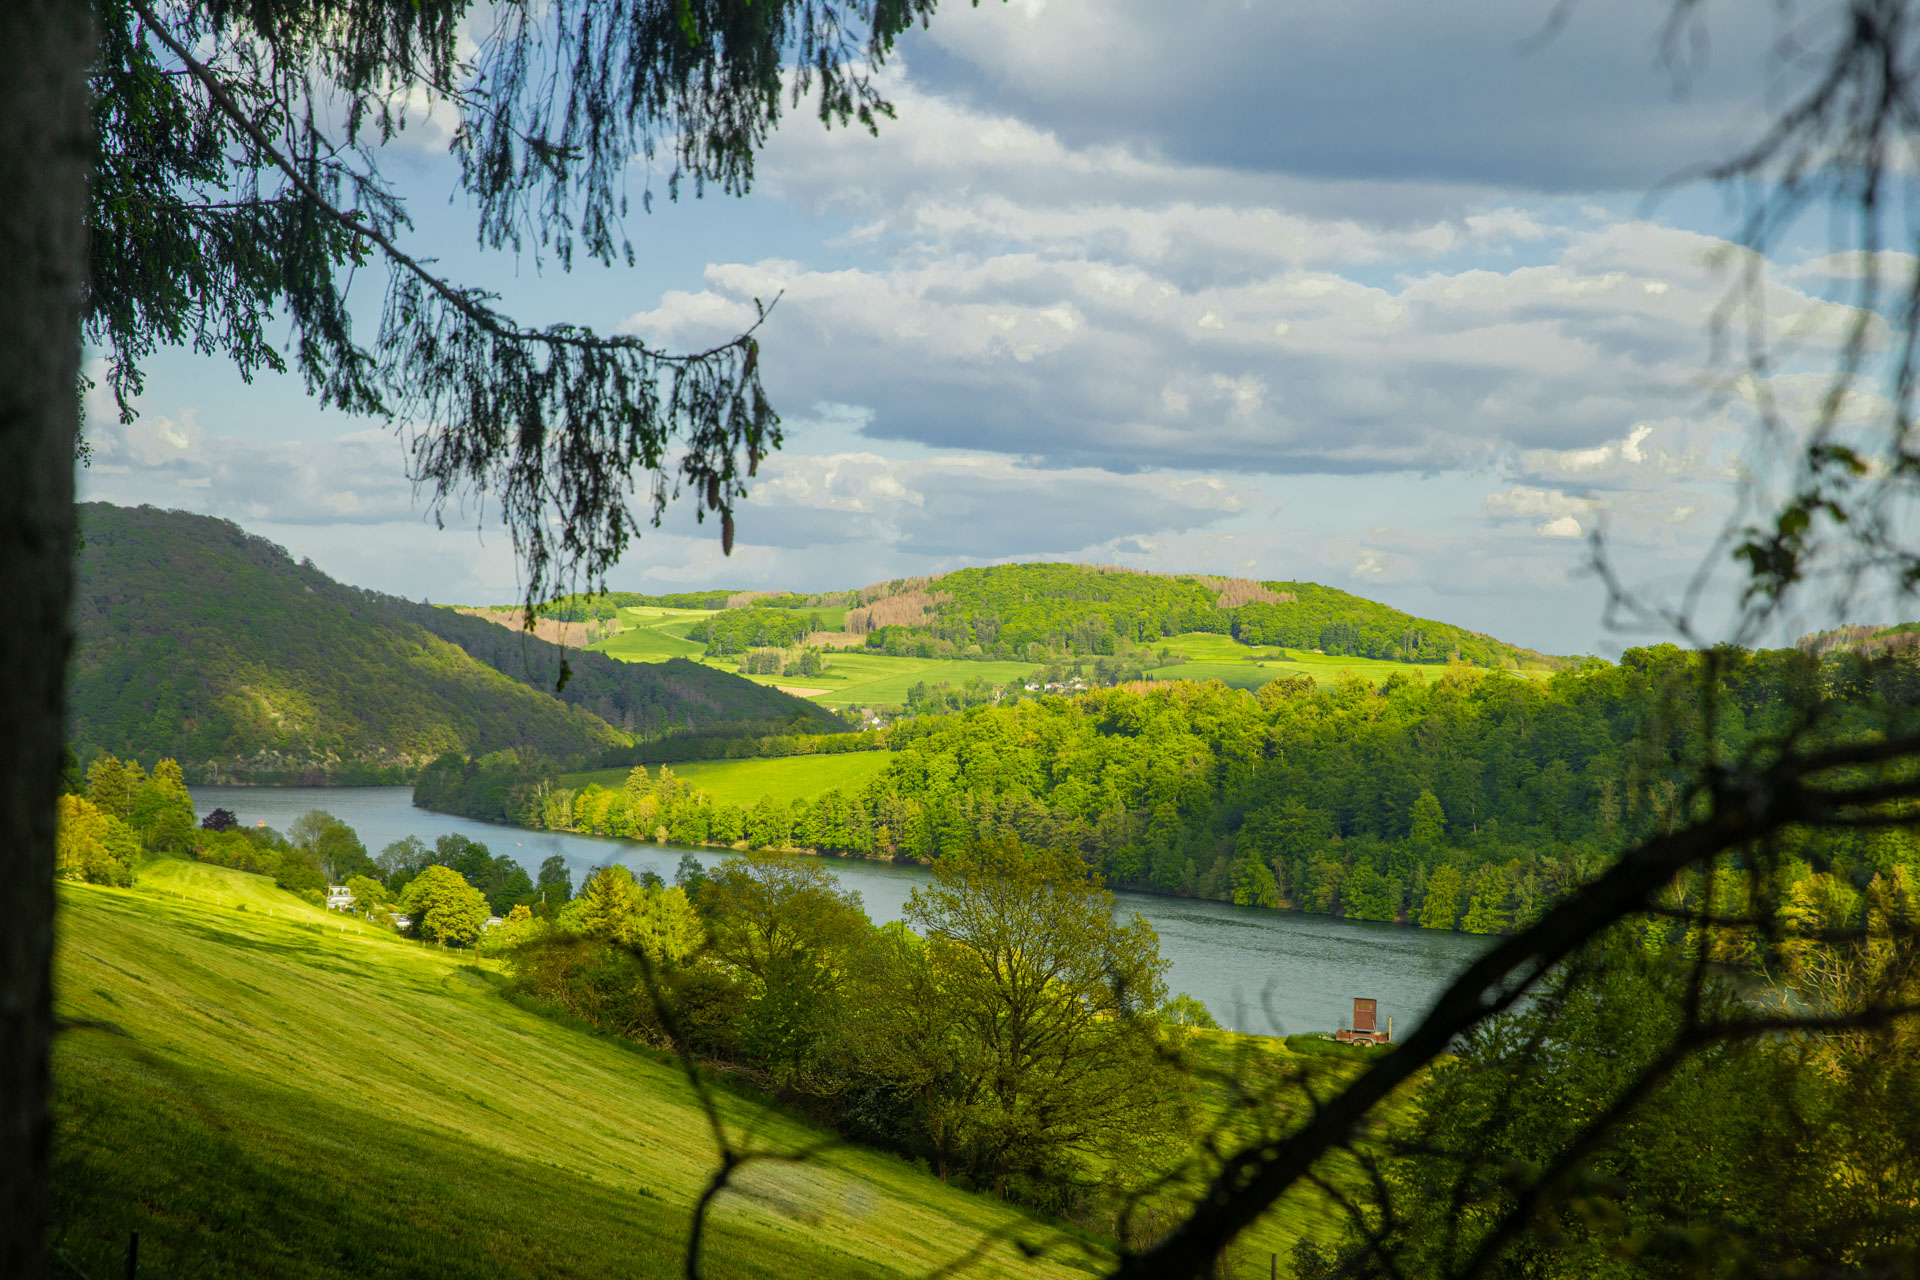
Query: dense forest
x=1469, y=802
x=204, y=643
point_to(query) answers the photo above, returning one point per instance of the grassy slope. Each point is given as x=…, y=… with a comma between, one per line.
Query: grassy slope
x=851, y=679
x=267, y=1095
x=742, y=782
x=1217, y=657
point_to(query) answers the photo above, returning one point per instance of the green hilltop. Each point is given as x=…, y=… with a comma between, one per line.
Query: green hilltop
x=200, y=641
x=947, y=641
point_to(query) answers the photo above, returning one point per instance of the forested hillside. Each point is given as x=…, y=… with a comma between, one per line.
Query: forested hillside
x=200, y=641
x=1470, y=802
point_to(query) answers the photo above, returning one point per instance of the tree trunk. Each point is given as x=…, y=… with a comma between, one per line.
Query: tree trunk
x=45, y=153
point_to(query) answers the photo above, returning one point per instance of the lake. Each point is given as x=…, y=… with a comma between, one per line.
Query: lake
x=1256, y=970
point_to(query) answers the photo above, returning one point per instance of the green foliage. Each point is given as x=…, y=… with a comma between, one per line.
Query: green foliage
x=787, y=929
x=1053, y=1004
x=333, y=844
x=162, y=810
x=738, y=630
x=1696, y=1180
x=371, y=898
x=1021, y=1046
x=202, y=642
x=443, y=907
x=613, y=907
x=92, y=844
x=1184, y=1011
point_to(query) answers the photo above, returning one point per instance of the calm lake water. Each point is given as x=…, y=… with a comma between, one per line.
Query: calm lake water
x=1260, y=971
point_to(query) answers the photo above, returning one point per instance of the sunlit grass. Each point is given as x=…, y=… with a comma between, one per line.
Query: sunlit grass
x=743, y=782
x=260, y=1092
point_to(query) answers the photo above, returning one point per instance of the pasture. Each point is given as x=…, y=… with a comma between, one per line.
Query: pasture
x=261, y=1088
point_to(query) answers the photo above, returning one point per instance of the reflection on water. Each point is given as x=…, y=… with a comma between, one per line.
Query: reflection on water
x=1255, y=970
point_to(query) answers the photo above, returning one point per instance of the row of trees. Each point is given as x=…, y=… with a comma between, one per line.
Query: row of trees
x=1011, y=1037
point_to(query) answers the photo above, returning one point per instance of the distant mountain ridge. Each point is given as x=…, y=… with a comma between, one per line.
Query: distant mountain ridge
x=201, y=641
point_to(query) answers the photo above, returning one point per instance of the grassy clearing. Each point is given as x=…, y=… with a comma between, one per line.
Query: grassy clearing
x=259, y=1093
x=1217, y=657
x=742, y=782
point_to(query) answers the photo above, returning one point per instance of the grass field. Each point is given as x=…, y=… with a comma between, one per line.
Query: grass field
x=1218, y=657
x=259, y=1093
x=741, y=782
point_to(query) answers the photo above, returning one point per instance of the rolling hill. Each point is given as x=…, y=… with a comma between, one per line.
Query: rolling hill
x=203, y=642
x=1034, y=624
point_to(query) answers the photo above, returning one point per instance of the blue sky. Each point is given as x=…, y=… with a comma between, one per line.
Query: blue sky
x=1366, y=294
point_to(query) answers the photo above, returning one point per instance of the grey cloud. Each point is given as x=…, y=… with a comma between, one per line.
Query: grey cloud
x=968, y=508
x=1106, y=364
x=1402, y=90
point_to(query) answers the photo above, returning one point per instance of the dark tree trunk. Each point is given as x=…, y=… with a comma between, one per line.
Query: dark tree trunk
x=45, y=152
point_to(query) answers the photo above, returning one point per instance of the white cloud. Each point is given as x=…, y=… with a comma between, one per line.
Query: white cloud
x=1560, y=527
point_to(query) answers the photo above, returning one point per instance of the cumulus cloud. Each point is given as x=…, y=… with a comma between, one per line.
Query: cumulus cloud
x=1092, y=356
x=970, y=506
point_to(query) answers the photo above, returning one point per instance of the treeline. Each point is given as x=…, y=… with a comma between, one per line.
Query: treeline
x=738, y=630
x=897, y=1035
x=722, y=744
x=1472, y=802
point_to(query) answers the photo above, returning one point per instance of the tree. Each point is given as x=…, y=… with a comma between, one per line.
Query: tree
x=111, y=785
x=1253, y=882
x=94, y=845
x=1441, y=908
x=371, y=898
x=1056, y=1007
x=443, y=907
x=330, y=844
x=614, y=907
x=1427, y=825
x=784, y=924
x=555, y=883
x=161, y=809
x=219, y=820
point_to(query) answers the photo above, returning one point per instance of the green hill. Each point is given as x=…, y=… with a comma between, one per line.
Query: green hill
x=260, y=1088
x=203, y=642
x=1049, y=613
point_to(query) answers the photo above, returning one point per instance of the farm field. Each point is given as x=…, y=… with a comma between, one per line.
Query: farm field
x=742, y=782
x=258, y=1092
x=859, y=678
x=1217, y=657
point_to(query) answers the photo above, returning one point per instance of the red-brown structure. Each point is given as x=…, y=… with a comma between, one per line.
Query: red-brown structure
x=1365, y=1029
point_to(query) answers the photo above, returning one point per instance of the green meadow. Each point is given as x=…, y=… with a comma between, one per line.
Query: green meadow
x=859, y=678
x=260, y=1088
x=783, y=779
